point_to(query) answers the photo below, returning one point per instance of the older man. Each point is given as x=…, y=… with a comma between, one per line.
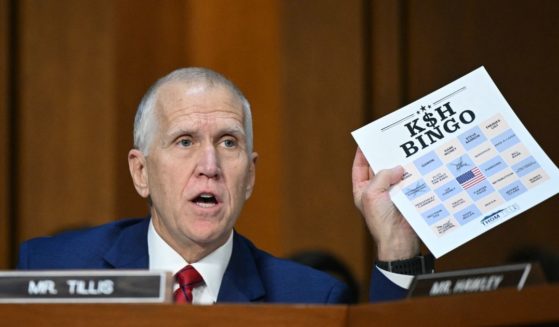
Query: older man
x=194, y=163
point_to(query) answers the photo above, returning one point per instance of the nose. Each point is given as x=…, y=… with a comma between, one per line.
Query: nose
x=208, y=162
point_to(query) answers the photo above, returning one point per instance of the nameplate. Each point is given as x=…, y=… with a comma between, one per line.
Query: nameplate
x=470, y=281
x=85, y=286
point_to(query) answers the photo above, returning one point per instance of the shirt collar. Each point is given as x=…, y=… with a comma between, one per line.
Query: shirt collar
x=211, y=267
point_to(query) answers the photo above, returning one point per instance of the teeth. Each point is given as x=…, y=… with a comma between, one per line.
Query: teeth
x=205, y=205
x=206, y=200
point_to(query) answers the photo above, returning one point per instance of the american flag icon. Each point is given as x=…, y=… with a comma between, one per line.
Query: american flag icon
x=470, y=178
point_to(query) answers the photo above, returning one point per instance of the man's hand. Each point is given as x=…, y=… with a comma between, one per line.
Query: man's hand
x=394, y=237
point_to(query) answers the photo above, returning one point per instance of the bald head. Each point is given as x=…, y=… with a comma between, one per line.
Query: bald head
x=146, y=124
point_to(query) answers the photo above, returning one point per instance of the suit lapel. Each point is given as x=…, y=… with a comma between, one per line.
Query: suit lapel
x=241, y=281
x=130, y=250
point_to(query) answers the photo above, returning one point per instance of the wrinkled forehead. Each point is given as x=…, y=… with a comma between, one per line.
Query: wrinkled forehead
x=197, y=100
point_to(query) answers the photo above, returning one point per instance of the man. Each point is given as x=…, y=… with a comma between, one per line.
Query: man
x=193, y=161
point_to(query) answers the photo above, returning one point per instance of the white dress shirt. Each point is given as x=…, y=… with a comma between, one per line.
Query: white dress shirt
x=404, y=281
x=211, y=267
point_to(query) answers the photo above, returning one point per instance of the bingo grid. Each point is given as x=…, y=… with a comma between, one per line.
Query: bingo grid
x=470, y=176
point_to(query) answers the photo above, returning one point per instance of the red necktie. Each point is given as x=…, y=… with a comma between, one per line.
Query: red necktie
x=188, y=278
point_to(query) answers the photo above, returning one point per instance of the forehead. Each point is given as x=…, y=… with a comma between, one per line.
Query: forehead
x=180, y=101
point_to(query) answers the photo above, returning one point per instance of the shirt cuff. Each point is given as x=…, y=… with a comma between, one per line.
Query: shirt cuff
x=404, y=281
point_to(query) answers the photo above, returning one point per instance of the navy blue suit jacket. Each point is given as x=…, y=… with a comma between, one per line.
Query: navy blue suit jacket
x=251, y=276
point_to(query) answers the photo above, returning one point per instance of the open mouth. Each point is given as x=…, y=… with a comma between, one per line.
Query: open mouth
x=205, y=200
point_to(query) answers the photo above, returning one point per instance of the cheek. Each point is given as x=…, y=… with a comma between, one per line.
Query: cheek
x=169, y=177
x=241, y=182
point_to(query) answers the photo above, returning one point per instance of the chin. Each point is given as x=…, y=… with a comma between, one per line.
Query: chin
x=208, y=236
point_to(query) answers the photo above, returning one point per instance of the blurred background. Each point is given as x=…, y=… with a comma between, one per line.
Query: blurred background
x=73, y=71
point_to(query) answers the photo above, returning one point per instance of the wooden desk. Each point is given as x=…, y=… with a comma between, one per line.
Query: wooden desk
x=507, y=307
x=532, y=305
x=169, y=315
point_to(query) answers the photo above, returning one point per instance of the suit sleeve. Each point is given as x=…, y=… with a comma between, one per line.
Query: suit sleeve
x=339, y=294
x=382, y=289
x=22, y=263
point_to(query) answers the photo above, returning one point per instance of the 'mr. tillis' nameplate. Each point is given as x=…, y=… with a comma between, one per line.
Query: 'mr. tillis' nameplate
x=85, y=286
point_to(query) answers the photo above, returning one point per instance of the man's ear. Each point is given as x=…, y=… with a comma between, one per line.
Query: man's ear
x=252, y=175
x=138, y=171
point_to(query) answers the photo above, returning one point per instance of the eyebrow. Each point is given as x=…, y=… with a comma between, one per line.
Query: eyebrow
x=234, y=130
x=229, y=130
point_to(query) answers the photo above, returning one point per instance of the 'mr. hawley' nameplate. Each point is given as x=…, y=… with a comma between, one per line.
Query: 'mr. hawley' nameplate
x=85, y=286
x=470, y=280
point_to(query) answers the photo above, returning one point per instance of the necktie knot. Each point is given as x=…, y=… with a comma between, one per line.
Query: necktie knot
x=188, y=278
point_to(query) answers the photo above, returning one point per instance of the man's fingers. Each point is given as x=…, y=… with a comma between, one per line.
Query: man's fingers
x=396, y=174
x=386, y=178
x=360, y=171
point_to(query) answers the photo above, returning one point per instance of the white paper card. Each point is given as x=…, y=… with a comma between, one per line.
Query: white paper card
x=469, y=163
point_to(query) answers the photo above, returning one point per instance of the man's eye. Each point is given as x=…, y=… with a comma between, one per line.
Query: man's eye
x=229, y=143
x=185, y=142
